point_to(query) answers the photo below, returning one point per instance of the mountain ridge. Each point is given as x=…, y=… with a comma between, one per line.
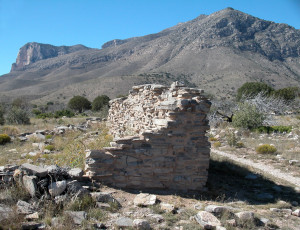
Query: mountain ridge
x=217, y=52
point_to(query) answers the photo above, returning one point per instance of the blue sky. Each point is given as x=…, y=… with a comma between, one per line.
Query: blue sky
x=94, y=22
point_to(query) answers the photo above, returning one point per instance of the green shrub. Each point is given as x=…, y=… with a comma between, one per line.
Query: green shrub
x=251, y=89
x=64, y=113
x=4, y=138
x=282, y=129
x=45, y=115
x=248, y=117
x=17, y=116
x=99, y=102
x=49, y=136
x=266, y=149
x=273, y=129
x=50, y=147
x=287, y=94
x=79, y=103
x=231, y=138
x=240, y=145
x=2, y=120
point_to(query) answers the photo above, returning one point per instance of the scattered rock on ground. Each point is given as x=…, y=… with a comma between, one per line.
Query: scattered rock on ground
x=245, y=216
x=25, y=208
x=34, y=170
x=141, y=224
x=296, y=212
x=144, y=199
x=57, y=188
x=30, y=185
x=77, y=217
x=124, y=222
x=207, y=220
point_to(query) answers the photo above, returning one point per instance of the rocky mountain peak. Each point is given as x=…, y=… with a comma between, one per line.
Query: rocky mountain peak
x=33, y=52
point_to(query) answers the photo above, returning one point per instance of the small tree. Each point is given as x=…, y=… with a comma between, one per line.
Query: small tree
x=248, y=116
x=99, y=102
x=251, y=89
x=17, y=116
x=79, y=103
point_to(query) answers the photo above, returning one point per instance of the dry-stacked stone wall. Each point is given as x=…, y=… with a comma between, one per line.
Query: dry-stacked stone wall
x=159, y=141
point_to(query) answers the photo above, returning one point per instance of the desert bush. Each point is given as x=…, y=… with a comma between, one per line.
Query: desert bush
x=248, y=116
x=50, y=147
x=49, y=136
x=2, y=120
x=251, y=89
x=99, y=102
x=240, y=145
x=217, y=144
x=82, y=204
x=4, y=138
x=17, y=116
x=231, y=138
x=274, y=129
x=79, y=103
x=266, y=149
x=287, y=94
x=63, y=113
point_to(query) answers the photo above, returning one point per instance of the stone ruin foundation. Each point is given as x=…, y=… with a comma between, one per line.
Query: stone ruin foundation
x=159, y=140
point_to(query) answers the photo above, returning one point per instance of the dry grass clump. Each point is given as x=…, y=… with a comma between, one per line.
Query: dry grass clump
x=266, y=149
x=10, y=130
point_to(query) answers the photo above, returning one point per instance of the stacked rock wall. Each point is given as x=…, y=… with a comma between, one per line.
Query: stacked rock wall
x=159, y=141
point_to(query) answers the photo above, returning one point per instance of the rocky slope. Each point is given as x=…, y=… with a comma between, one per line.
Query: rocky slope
x=218, y=53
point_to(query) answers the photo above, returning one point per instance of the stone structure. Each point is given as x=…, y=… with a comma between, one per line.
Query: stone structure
x=159, y=140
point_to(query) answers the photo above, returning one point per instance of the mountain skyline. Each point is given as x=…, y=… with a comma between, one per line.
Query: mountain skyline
x=94, y=23
x=217, y=52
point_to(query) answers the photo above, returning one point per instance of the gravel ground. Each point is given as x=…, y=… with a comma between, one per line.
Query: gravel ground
x=266, y=169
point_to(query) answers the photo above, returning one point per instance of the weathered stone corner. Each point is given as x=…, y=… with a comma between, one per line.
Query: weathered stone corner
x=159, y=140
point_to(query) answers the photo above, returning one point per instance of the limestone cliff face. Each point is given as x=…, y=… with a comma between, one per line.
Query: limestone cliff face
x=33, y=52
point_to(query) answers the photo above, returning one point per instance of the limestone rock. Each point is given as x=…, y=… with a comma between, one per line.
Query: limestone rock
x=34, y=170
x=104, y=197
x=156, y=217
x=124, y=222
x=25, y=208
x=296, y=212
x=207, y=220
x=77, y=217
x=33, y=216
x=144, y=199
x=75, y=172
x=30, y=185
x=167, y=207
x=245, y=216
x=141, y=224
x=216, y=209
x=57, y=188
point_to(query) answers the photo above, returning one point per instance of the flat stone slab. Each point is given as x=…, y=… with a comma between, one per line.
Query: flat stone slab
x=25, y=208
x=34, y=170
x=77, y=217
x=144, y=199
x=207, y=220
x=124, y=222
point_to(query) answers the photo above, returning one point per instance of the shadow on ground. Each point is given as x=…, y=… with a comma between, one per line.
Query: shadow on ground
x=227, y=182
